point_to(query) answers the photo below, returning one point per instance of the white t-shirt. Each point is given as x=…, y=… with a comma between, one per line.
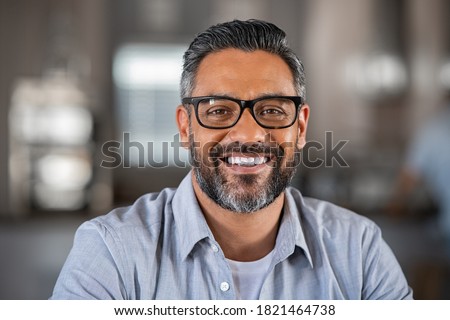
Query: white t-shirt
x=248, y=277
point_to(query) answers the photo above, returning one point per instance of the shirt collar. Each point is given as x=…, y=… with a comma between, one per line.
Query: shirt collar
x=191, y=225
x=290, y=234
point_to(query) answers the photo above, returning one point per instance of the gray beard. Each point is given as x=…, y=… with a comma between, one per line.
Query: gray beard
x=213, y=182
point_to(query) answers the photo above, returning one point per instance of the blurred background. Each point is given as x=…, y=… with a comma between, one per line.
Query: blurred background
x=81, y=76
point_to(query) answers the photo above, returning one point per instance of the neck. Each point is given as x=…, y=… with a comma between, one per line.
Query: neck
x=242, y=236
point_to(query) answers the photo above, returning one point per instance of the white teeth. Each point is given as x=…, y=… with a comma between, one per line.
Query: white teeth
x=259, y=160
x=247, y=161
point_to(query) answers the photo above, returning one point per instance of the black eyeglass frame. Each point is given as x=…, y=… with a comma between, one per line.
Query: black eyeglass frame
x=298, y=101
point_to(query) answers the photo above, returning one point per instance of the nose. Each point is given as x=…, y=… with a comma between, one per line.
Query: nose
x=247, y=129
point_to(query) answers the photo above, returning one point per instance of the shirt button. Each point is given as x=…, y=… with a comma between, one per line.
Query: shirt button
x=214, y=248
x=224, y=286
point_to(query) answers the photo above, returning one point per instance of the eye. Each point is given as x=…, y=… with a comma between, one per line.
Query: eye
x=274, y=108
x=217, y=108
x=272, y=111
x=218, y=111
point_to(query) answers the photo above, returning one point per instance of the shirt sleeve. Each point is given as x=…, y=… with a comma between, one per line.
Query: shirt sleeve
x=383, y=276
x=92, y=269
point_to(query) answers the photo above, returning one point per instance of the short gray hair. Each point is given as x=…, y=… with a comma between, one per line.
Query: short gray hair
x=247, y=35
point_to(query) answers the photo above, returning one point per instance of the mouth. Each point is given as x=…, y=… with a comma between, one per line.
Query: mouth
x=245, y=161
x=246, y=158
x=242, y=163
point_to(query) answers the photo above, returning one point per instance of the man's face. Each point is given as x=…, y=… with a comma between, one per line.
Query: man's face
x=246, y=167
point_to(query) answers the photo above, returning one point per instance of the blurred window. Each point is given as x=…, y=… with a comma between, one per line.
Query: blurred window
x=146, y=78
x=51, y=142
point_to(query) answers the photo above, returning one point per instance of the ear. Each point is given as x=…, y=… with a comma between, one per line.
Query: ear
x=303, y=117
x=182, y=118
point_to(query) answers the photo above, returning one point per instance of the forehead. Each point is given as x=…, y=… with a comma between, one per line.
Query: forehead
x=244, y=75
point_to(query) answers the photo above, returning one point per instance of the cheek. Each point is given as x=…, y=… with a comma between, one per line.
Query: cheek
x=287, y=140
x=205, y=139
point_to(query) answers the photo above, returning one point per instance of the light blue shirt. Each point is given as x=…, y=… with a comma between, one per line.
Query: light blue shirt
x=162, y=248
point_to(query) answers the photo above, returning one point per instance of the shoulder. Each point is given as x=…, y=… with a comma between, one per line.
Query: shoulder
x=324, y=211
x=147, y=213
x=328, y=218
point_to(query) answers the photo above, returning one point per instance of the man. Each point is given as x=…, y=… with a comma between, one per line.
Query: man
x=234, y=229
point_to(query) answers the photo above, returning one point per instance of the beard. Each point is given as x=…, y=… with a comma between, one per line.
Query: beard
x=243, y=193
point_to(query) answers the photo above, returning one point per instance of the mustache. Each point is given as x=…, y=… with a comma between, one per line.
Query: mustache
x=257, y=148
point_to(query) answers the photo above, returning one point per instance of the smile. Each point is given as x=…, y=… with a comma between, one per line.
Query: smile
x=246, y=161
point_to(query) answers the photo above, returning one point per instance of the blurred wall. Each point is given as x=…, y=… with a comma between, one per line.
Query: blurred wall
x=27, y=41
x=372, y=69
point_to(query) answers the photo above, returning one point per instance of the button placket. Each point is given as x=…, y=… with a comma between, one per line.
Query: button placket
x=225, y=279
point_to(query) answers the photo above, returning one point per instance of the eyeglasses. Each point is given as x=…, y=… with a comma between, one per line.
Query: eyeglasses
x=216, y=112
